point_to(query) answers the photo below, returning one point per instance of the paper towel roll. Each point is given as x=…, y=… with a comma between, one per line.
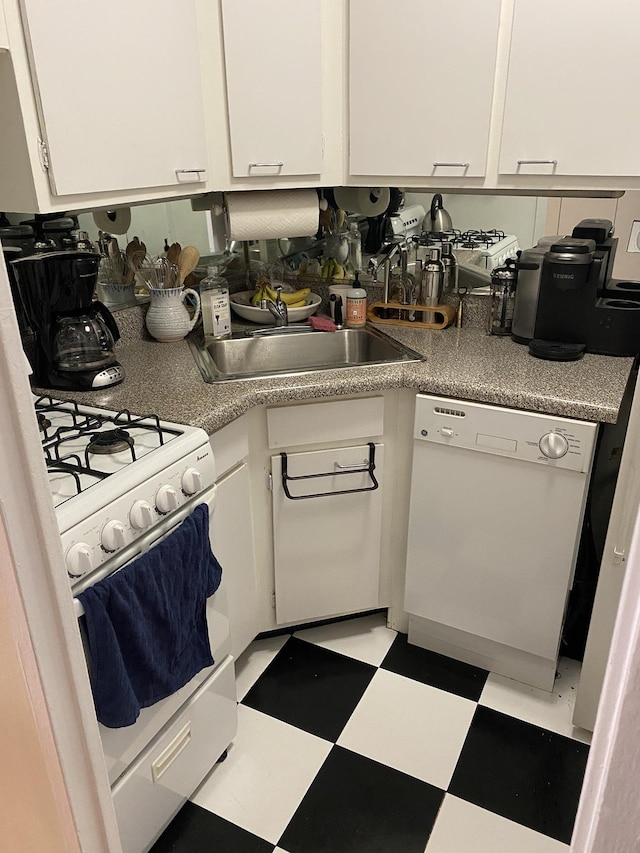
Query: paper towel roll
x=368, y=201
x=113, y=221
x=269, y=214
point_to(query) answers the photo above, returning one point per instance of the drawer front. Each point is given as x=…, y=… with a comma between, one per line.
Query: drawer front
x=150, y=793
x=334, y=420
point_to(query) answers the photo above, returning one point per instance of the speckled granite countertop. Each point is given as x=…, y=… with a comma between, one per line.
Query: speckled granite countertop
x=463, y=363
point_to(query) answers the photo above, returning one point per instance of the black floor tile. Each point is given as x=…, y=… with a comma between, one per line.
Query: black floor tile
x=521, y=772
x=355, y=805
x=195, y=830
x=310, y=687
x=434, y=669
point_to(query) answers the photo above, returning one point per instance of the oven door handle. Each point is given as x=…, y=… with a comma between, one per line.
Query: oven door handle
x=143, y=544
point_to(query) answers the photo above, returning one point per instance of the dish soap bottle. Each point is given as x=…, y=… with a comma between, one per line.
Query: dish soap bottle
x=216, y=311
x=356, y=314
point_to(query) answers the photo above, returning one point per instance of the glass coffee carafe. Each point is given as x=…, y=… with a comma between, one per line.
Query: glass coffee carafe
x=84, y=341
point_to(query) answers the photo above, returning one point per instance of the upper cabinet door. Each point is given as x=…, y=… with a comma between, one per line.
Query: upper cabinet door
x=119, y=93
x=421, y=106
x=272, y=60
x=571, y=104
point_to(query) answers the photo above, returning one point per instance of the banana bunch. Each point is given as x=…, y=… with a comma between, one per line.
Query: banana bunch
x=332, y=269
x=297, y=299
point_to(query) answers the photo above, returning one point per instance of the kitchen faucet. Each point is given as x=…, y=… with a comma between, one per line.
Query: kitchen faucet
x=383, y=259
x=278, y=308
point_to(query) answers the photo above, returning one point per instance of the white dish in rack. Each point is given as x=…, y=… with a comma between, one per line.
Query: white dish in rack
x=240, y=302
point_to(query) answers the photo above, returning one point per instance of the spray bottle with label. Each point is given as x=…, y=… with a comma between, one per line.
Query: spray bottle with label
x=216, y=311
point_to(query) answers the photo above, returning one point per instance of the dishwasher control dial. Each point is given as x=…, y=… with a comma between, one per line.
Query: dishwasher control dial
x=79, y=560
x=191, y=481
x=166, y=499
x=113, y=535
x=553, y=445
x=141, y=515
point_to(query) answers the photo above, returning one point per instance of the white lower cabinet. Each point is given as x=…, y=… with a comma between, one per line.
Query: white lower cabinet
x=233, y=547
x=163, y=777
x=326, y=531
x=233, y=531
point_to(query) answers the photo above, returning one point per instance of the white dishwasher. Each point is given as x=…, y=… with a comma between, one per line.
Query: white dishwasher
x=497, y=502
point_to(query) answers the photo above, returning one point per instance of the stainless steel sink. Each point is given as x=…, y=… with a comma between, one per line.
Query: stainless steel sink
x=275, y=352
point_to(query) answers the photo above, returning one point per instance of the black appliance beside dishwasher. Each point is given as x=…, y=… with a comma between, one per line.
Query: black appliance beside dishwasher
x=567, y=302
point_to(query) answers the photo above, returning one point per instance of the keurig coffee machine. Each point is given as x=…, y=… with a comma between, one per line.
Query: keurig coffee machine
x=571, y=272
x=567, y=302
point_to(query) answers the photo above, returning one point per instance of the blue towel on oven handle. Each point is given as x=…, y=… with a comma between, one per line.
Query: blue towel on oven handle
x=147, y=625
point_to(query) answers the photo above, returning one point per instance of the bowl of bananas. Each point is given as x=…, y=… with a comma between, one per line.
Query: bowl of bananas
x=300, y=303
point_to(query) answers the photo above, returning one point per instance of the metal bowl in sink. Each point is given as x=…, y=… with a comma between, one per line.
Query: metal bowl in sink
x=277, y=352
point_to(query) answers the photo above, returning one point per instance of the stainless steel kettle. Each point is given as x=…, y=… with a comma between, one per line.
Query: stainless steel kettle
x=438, y=218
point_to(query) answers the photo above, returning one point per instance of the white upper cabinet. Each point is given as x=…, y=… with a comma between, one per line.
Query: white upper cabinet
x=119, y=93
x=421, y=77
x=571, y=100
x=272, y=51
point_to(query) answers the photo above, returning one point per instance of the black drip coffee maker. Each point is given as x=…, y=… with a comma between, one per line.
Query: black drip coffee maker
x=74, y=336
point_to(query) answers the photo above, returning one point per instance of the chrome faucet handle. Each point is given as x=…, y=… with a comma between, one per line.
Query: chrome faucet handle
x=277, y=309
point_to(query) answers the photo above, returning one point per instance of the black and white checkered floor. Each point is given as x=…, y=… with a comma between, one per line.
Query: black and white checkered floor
x=352, y=741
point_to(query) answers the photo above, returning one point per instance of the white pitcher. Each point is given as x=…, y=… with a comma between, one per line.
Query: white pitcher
x=167, y=318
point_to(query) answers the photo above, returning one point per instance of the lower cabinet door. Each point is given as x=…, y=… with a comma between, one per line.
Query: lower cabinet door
x=327, y=531
x=232, y=539
x=153, y=789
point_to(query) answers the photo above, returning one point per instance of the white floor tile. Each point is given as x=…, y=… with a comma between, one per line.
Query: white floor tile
x=367, y=639
x=268, y=771
x=462, y=827
x=410, y=726
x=254, y=660
x=553, y=711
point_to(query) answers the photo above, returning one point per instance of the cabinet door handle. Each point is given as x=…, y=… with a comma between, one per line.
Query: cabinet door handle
x=166, y=758
x=618, y=555
x=359, y=466
x=459, y=165
x=537, y=162
x=185, y=174
x=266, y=165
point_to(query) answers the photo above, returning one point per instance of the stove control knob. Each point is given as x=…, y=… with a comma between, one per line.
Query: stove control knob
x=78, y=559
x=553, y=445
x=113, y=535
x=166, y=499
x=191, y=481
x=141, y=515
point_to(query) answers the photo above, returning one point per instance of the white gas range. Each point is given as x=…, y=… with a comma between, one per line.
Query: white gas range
x=120, y=484
x=115, y=477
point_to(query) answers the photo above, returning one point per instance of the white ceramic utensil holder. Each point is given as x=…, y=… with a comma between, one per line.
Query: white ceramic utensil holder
x=167, y=318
